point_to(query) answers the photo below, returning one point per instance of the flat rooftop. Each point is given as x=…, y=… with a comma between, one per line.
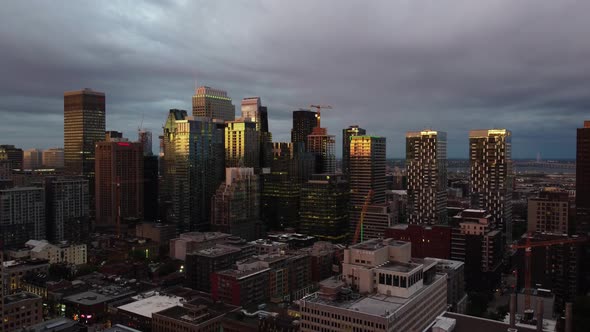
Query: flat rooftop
x=147, y=306
x=15, y=298
x=215, y=251
x=399, y=266
x=376, y=244
x=242, y=274
x=379, y=305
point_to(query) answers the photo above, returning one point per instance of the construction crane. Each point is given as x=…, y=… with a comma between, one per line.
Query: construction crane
x=318, y=110
x=528, y=248
x=359, y=226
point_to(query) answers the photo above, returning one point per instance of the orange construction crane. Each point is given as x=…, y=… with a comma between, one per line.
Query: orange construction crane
x=359, y=226
x=528, y=248
x=319, y=109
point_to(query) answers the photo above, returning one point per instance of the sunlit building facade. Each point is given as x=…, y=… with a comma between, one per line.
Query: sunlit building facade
x=242, y=144
x=347, y=135
x=213, y=103
x=323, y=147
x=426, y=163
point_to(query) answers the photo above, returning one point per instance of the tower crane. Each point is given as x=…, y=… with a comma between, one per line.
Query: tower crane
x=528, y=247
x=318, y=110
x=359, y=226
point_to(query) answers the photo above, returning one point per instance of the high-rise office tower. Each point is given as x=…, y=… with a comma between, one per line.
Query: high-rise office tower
x=323, y=147
x=366, y=173
x=67, y=208
x=236, y=204
x=583, y=179
x=53, y=158
x=347, y=134
x=145, y=138
x=303, y=123
x=193, y=167
x=491, y=175
x=242, y=144
x=119, y=182
x=213, y=103
x=151, y=188
x=324, y=207
x=22, y=215
x=253, y=111
x=32, y=159
x=84, y=126
x=13, y=154
x=113, y=136
x=426, y=163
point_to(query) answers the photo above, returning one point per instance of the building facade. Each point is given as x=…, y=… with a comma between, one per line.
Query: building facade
x=193, y=167
x=75, y=254
x=32, y=159
x=583, y=179
x=22, y=215
x=324, y=208
x=12, y=154
x=549, y=212
x=242, y=144
x=303, y=123
x=323, y=147
x=426, y=162
x=213, y=104
x=67, y=208
x=53, y=158
x=84, y=126
x=119, y=182
x=491, y=175
x=235, y=207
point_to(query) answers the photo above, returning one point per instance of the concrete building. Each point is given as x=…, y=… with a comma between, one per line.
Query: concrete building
x=200, y=264
x=32, y=159
x=192, y=168
x=53, y=158
x=67, y=208
x=22, y=215
x=188, y=242
x=382, y=289
x=476, y=242
x=426, y=162
x=213, y=104
x=21, y=310
x=14, y=271
x=347, y=135
x=138, y=313
x=455, y=271
x=75, y=254
x=199, y=314
x=119, y=182
x=491, y=175
x=549, y=212
x=235, y=207
x=324, y=208
x=427, y=241
x=246, y=285
x=159, y=233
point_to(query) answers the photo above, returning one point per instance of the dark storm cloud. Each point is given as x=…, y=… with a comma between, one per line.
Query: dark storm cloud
x=389, y=66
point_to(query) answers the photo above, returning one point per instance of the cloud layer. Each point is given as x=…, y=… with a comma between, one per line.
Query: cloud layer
x=388, y=66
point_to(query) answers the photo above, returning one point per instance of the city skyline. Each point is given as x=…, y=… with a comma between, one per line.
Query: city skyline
x=455, y=77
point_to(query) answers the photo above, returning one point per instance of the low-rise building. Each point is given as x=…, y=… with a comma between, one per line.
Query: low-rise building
x=75, y=254
x=21, y=310
x=200, y=314
x=188, y=242
x=13, y=273
x=455, y=271
x=138, y=314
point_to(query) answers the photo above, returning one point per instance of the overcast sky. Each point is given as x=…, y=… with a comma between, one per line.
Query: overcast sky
x=388, y=66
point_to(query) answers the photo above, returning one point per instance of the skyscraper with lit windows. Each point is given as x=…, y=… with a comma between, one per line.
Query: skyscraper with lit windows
x=213, y=103
x=347, y=135
x=426, y=163
x=242, y=144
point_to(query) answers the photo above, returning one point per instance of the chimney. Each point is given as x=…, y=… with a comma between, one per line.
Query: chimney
x=568, y=317
x=512, y=310
x=539, y=315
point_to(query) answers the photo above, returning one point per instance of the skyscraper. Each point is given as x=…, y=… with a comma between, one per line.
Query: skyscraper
x=145, y=138
x=346, y=137
x=236, y=204
x=67, y=208
x=84, y=126
x=253, y=111
x=151, y=188
x=426, y=162
x=22, y=215
x=583, y=179
x=491, y=175
x=303, y=123
x=192, y=168
x=549, y=213
x=53, y=158
x=323, y=147
x=324, y=207
x=242, y=144
x=119, y=182
x=367, y=172
x=213, y=103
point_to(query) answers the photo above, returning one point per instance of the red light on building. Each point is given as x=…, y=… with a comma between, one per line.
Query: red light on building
x=124, y=144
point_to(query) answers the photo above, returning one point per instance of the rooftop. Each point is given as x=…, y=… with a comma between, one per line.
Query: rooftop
x=147, y=306
x=376, y=244
x=374, y=304
x=243, y=274
x=102, y=295
x=54, y=325
x=22, y=296
x=120, y=328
